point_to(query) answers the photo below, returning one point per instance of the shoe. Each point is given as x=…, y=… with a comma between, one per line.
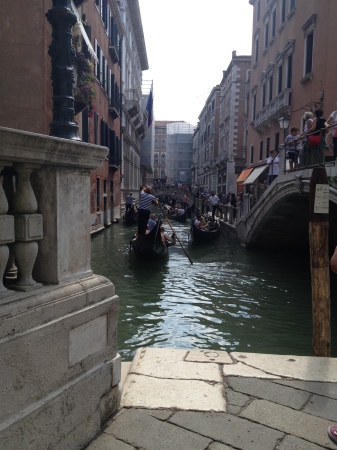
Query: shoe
x=332, y=433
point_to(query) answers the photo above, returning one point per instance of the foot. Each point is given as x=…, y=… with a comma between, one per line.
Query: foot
x=332, y=433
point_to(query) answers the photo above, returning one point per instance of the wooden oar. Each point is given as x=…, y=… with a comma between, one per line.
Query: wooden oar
x=181, y=245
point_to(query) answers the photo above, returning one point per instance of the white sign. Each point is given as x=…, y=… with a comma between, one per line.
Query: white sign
x=321, y=205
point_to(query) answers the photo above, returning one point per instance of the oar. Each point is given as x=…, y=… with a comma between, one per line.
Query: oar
x=181, y=245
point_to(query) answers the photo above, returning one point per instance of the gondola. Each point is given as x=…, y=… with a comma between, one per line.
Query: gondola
x=177, y=217
x=150, y=246
x=204, y=235
x=130, y=217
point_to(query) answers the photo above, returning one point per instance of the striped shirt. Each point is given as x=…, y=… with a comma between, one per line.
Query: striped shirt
x=146, y=200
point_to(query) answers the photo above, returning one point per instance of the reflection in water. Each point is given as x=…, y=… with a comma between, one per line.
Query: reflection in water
x=230, y=299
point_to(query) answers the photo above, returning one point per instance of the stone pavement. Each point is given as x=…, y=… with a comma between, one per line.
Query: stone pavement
x=201, y=399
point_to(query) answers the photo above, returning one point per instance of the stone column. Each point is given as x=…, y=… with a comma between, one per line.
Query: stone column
x=6, y=235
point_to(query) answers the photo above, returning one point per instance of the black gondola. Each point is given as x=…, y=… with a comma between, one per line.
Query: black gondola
x=150, y=245
x=177, y=217
x=130, y=216
x=204, y=235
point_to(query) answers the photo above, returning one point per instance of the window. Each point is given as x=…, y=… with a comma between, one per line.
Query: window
x=162, y=172
x=163, y=158
x=263, y=100
x=273, y=22
x=163, y=143
x=282, y=12
x=256, y=49
x=277, y=140
x=156, y=143
x=289, y=70
x=254, y=106
x=292, y=5
x=156, y=158
x=258, y=10
x=252, y=154
x=279, y=78
x=309, y=46
x=266, y=34
x=261, y=151
x=270, y=88
x=267, y=146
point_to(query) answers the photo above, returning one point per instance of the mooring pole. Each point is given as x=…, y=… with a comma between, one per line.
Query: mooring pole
x=62, y=55
x=319, y=261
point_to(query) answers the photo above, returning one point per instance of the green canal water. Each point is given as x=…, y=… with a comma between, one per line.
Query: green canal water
x=231, y=298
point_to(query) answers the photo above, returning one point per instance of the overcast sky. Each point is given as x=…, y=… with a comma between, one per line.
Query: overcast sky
x=189, y=43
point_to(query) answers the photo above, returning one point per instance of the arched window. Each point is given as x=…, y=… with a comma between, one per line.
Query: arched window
x=163, y=143
x=163, y=158
x=156, y=143
x=162, y=173
x=156, y=158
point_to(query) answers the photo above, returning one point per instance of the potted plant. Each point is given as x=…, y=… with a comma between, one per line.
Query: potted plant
x=84, y=92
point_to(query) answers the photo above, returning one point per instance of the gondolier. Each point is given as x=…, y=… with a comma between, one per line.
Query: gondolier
x=145, y=202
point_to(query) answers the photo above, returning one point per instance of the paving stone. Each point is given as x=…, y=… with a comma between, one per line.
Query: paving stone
x=322, y=407
x=138, y=428
x=219, y=446
x=228, y=429
x=268, y=390
x=236, y=398
x=207, y=356
x=149, y=392
x=316, y=387
x=290, y=421
x=107, y=442
x=243, y=370
x=294, y=443
x=309, y=368
x=170, y=363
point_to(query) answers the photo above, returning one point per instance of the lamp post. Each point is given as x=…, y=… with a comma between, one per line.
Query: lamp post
x=284, y=124
x=62, y=55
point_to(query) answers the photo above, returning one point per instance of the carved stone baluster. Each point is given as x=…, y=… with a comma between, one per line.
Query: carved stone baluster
x=6, y=234
x=28, y=229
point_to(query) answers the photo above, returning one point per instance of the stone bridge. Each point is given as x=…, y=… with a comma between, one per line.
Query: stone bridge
x=280, y=218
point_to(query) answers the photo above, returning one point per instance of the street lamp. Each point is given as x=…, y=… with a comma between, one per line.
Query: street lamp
x=284, y=124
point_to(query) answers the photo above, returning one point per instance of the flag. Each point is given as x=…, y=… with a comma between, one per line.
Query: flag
x=149, y=109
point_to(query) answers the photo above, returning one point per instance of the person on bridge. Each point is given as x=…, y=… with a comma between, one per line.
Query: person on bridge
x=273, y=163
x=214, y=202
x=292, y=141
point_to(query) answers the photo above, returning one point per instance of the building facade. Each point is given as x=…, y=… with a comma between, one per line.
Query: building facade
x=233, y=122
x=179, y=152
x=208, y=145
x=292, y=71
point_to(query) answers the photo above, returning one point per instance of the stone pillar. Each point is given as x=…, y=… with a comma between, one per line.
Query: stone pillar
x=6, y=235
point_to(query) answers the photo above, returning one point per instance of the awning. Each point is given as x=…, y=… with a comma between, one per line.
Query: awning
x=244, y=175
x=255, y=174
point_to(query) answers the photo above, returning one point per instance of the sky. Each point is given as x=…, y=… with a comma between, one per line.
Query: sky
x=189, y=43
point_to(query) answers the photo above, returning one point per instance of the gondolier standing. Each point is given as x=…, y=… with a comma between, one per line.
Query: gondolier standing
x=145, y=202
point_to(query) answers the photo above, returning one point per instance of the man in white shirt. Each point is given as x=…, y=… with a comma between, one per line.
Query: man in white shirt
x=273, y=163
x=214, y=202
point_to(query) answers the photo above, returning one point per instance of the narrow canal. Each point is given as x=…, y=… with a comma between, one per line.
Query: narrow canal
x=230, y=299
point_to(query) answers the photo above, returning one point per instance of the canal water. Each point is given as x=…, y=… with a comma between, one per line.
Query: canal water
x=231, y=298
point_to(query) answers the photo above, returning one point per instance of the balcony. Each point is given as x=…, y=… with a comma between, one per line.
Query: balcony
x=279, y=106
x=132, y=101
x=113, y=50
x=114, y=108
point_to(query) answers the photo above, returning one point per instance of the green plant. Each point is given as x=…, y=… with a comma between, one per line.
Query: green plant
x=84, y=91
x=332, y=179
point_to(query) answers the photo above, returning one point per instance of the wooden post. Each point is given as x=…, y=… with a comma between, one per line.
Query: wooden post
x=319, y=261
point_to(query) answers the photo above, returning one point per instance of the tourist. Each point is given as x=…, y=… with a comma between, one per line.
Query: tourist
x=173, y=199
x=332, y=122
x=165, y=237
x=318, y=129
x=185, y=201
x=197, y=222
x=145, y=202
x=129, y=202
x=152, y=222
x=273, y=163
x=305, y=153
x=214, y=202
x=291, y=142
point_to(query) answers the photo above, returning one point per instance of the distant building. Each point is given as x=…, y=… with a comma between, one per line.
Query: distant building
x=233, y=122
x=160, y=148
x=179, y=150
x=206, y=153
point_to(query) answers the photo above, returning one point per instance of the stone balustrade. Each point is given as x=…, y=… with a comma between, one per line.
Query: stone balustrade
x=58, y=320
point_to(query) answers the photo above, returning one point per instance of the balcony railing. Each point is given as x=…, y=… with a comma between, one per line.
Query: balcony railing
x=278, y=107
